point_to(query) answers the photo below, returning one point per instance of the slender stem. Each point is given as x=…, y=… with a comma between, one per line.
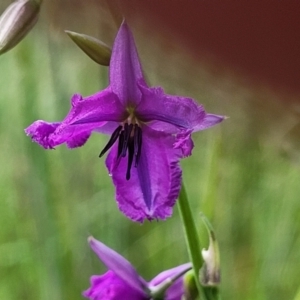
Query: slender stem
x=192, y=239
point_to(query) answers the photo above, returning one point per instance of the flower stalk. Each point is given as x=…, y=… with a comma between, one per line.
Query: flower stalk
x=191, y=237
x=193, y=246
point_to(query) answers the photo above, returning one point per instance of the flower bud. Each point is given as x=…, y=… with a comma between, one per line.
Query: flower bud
x=210, y=271
x=94, y=48
x=16, y=21
x=190, y=287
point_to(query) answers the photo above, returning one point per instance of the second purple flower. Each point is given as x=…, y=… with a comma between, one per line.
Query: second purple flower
x=150, y=132
x=122, y=281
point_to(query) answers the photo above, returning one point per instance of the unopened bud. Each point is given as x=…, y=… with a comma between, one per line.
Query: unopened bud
x=16, y=21
x=190, y=287
x=210, y=271
x=94, y=48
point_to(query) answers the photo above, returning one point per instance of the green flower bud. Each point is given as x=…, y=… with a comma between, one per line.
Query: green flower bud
x=16, y=21
x=95, y=49
x=210, y=271
x=190, y=287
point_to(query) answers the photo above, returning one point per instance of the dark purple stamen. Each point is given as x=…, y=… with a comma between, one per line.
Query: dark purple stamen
x=111, y=141
x=127, y=133
x=127, y=140
x=130, y=157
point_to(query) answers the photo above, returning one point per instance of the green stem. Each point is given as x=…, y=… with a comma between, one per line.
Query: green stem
x=192, y=239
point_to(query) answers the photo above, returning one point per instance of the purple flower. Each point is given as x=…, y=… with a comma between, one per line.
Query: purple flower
x=123, y=282
x=150, y=132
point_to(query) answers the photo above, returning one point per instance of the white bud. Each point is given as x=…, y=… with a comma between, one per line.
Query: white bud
x=16, y=21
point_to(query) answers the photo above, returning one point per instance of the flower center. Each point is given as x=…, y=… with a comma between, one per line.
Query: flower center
x=130, y=138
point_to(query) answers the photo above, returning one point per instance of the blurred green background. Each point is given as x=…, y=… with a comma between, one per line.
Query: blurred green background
x=244, y=174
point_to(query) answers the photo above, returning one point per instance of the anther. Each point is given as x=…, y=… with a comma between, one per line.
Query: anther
x=130, y=157
x=111, y=141
x=130, y=137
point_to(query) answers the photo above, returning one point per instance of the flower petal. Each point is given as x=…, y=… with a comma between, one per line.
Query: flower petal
x=110, y=287
x=154, y=184
x=176, y=290
x=100, y=107
x=180, y=111
x=169, y=274
x=87, y=114
x=125, y=68
x=119, y=265
x=40, y=132
x=49, y=135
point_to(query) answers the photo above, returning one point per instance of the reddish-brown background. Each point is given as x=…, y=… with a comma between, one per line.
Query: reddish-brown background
x=258, y=37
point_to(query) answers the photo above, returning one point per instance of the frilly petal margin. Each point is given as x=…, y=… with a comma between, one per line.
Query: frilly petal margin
x=184, y=142
x=86, y=114
x=50, y=135
x=119, y=265
x=183, y=138
x=182, y=112
x=40, y=132
x=155, y=183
